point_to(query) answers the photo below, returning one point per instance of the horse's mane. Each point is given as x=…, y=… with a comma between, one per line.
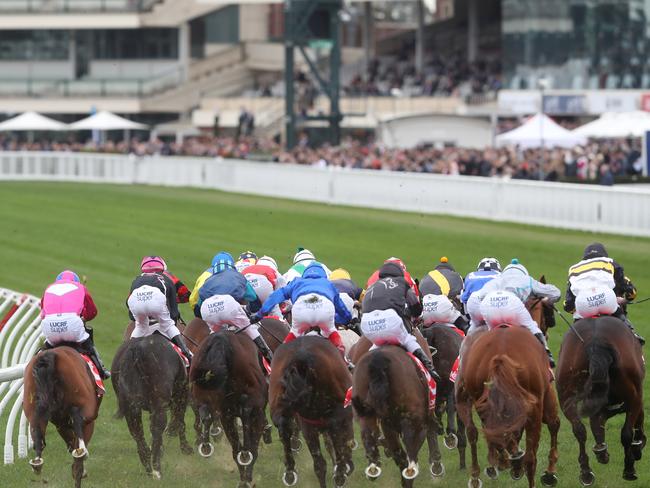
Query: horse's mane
x=48, y=394
x=505, y=403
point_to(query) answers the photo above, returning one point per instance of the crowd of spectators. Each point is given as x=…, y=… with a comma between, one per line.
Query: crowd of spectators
x=440, y=76
x=600, y=161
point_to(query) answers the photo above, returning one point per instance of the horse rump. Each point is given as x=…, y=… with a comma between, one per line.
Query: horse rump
x=595, y=395
x=505, y=403
x=48, y=396
x=377, y=401
x=212, y=363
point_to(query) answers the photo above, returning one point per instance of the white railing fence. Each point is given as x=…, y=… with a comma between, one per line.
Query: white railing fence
x=20, y=336
x=619, y=209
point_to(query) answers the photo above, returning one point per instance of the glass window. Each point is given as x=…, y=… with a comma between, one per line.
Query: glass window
x=136, y=44
x=222, y=26
x=39, y=45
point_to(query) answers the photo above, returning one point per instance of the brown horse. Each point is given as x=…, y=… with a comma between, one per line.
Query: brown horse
x=363, y=345
x=445, y=345
x=390, y=396
x=506, y=378
x=60, y=388
x=309, y=382
x=228, y=383
x=148, y=375
x=600, y=374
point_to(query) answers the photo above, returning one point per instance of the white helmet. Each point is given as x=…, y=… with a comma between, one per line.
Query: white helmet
x=489, y=264
x=303, y=255
x=268, y=261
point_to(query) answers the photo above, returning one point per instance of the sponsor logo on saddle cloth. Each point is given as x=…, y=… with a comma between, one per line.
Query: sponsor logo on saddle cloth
x=453, y=374
x=99, y=384
x=430, y=381
x=186, y=361
x=348, y=398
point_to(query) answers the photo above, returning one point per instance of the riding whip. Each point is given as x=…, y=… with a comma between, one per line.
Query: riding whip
x=637, y=302
x=569, y=324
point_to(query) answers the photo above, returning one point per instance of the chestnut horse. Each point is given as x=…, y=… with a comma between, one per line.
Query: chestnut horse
x=148, y=375
x=309, y=381
x=445, y=344
x=390, y=397
x=60, y=388
x=600, y=374
x=506, y=377
x=228, y=383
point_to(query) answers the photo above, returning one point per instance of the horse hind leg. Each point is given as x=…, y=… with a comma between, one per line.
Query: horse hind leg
x=286, y=429
x=179, y=407
x=464, y=411
x=38, y=436
x=134, y=423
x=597, y=424
x=202, y=424
x=451, y=437
x=639, y=437
x=370, y=439
x=627, y=438
x=313, y=443
x=533, y=434
x=552, y=420
x=436, y=467
x=228, y=421
x=587, y=476
x=394, y=449
x=157, y=427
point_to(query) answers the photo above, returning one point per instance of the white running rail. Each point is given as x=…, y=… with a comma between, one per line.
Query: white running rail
x=20, y=337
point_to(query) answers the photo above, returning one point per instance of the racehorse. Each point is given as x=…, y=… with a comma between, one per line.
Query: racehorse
x=600, y=374
x=227, y=382
x=309, y=381
x=389, y=393
x=505, y=376
x=363, y=345
x=445, y=344
x=59, y=387
x=541, y=311
x=149, y=375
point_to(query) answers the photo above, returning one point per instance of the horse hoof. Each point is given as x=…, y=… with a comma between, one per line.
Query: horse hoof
x=290, y=478
x=516, y=474
x=411, y=471
x=492, y=472
x=186, y=449
x=206, y=449
x=549, y=479
x=629, y=476
x=155, y=474
x=244, y=458
x=354, y=445
x=36, y=464
x=296, y=444
x=588, y=478
x=80, y=453
x=372, y=472
x=451, y=441
x=339, y=480
x=475, y=483
x=215, y=431
x=245, y=484
x=267, y=434
x=437, y=469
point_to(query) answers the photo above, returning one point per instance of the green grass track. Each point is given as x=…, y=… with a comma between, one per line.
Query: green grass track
x=102, y=231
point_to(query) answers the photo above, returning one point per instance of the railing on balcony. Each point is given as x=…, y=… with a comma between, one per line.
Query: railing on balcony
x=76, y=6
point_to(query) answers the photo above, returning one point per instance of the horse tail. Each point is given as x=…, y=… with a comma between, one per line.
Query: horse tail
x=505, y=403
x=212, y=367
x=379, y=383
x=298, y=379
x=48, y=397
x=130, y=380
x=600, y=356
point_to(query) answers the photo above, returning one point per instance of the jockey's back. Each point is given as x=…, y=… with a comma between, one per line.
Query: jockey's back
x=63, y=297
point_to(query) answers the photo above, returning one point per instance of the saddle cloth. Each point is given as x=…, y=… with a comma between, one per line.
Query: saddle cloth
x=430, y=381
x=98, y=380
x=186, y=361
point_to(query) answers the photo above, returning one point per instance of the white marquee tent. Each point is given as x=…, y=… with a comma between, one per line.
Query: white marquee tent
x=616, y=124
x=32, y=122
x=540, y=131
x=106, y=121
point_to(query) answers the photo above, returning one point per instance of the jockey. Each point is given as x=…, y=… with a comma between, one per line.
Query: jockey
x=194, y=296
x=153, y=297
x=407, y=276
x=439, y=288
x=503, y=299
x=247, y=258
x=316, y=303
x=265, y=279
x=221, y=299
x=388, y=306
x=65, y=308
x=486, y=271
x=594, y=285
x=302, y=259
x=348, y=290
x=182, y=291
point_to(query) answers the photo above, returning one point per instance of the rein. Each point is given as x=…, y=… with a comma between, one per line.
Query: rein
x=637, y=302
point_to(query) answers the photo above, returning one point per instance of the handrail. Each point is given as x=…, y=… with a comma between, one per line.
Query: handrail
x=81, y=6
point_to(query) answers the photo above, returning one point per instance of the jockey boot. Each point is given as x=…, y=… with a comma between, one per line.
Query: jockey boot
x=419, y=353
x=264, y=348
x=289, y=338
x=540, y=337
x=462, y=323
x=178, y=341
x=621, y=315
x=89, y=348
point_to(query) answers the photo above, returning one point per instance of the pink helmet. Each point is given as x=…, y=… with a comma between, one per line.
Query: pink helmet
x=68, y=275
x=151, y=264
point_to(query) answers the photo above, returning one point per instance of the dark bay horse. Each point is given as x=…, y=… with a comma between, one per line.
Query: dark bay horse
x=505, y=376
x=445, y=343
x=309, y=382
x=363, y=345
x=227, y=382
x=391, y=398
x=600, y=374
x=59, y=388
x=150, y=376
